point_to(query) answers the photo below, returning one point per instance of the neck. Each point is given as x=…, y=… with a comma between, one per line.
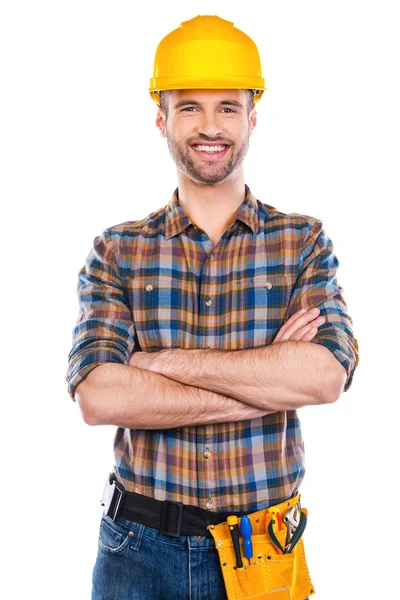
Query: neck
x=211, y=207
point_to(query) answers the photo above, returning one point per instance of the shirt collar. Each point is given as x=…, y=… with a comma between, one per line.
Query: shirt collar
x=176, y=219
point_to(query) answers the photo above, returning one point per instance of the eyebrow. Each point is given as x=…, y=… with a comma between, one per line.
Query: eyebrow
x=197, y=103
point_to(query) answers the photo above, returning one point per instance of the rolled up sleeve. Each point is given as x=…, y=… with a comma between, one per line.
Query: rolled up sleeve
x=317, y=286
x=104, y=331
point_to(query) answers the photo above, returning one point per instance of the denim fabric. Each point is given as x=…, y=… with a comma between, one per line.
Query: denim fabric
x=136, y=562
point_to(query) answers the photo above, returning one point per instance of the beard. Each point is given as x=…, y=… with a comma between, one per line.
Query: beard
x=209, y=172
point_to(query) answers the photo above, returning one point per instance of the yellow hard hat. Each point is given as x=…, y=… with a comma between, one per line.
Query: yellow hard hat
x=206, y=52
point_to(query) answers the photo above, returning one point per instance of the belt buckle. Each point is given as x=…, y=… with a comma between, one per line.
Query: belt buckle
x=164, y=516
x=113, y=495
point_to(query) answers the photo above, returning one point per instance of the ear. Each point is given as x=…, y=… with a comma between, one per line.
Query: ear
x=252, y=119
x=161, y=122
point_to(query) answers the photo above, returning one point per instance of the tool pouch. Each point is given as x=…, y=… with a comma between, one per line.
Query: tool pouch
x=268, y=575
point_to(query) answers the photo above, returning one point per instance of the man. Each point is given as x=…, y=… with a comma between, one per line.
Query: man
x=203, y=328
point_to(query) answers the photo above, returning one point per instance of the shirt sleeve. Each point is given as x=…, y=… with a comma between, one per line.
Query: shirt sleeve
x=317, y=286
x=104, y=331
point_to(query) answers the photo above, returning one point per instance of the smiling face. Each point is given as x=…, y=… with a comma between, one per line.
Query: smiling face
x=207, y=131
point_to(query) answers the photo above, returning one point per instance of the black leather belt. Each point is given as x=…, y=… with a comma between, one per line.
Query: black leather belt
x=171, y=518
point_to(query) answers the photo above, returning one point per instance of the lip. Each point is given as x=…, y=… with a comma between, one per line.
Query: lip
x=202, y=143
x=210, y=155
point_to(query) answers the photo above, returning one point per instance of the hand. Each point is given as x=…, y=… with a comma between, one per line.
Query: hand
x=303, y=325
x=143, y=360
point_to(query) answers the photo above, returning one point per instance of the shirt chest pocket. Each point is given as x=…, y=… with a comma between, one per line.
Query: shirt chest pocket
x=246, y=313
x=262, y=304
x=164, y=313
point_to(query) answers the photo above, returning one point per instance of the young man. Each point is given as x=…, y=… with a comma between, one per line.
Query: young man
x=203, y=328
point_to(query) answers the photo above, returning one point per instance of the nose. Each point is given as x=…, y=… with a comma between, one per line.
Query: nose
x=209, y=125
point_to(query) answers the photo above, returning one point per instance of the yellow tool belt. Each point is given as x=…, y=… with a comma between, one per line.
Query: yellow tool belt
x=269, y=574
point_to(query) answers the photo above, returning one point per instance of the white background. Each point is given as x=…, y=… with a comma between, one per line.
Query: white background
x=80, y=152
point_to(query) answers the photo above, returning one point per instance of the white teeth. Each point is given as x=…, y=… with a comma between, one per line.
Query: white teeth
x=210, y=148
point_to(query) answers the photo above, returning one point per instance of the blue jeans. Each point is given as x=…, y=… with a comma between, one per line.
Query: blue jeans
x=136, y=562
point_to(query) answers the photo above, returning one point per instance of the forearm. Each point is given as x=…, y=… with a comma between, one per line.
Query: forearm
x=281, y=376
x=126, y=396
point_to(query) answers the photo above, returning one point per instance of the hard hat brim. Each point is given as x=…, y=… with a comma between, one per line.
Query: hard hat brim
x=168, y=84
x=219, y=83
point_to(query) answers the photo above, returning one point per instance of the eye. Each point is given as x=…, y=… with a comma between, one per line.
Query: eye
x=188, y=108
x=228, y=109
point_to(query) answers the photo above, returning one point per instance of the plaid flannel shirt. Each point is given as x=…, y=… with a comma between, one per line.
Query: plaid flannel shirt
x=160, y=283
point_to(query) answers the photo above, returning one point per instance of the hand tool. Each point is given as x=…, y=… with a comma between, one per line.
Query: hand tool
x=278, y=525
x=291, y=523
x=269, y=528
x=246, y=530
x=298, y=532
x=234, y=531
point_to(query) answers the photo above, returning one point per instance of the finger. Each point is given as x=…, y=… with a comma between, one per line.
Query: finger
x=298, y=335
x=299, y=323
x=306, y=332
x=289, y=322
x=309, y=334
x=296, y=316
x=301, y=318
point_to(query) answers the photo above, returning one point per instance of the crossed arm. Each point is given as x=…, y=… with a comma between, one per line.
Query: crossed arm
x=176, y=387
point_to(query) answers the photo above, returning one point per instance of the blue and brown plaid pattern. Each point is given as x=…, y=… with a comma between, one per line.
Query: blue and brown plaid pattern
x=159, y=283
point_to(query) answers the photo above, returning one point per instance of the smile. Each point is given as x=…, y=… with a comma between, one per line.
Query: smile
x=210, y=151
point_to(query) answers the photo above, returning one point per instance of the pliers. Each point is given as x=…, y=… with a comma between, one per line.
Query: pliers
x=298, y=532
x=291, y=521
x=269, y=521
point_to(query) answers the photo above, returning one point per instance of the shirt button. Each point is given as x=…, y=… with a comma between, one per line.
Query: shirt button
x=149, y=287
x=209, y=301
x=211, y=257
x=209, y=504
x=207, y=454
x=268, y=285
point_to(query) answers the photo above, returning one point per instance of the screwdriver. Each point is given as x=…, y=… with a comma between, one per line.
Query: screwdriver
x=234, y=531
x=246, y=530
